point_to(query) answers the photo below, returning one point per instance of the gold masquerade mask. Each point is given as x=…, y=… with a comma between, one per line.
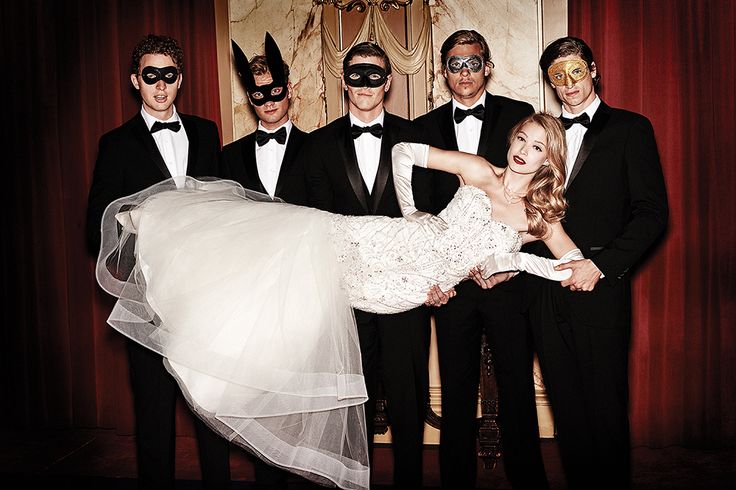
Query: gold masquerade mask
x=567, y=72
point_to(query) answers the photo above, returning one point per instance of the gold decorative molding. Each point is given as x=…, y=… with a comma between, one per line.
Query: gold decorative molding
x=361, y=5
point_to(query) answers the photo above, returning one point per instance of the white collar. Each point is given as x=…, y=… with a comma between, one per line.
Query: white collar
x=288, y=124
x=456, y=104
x=149, y=119
x=358, y=122
x=590, y=110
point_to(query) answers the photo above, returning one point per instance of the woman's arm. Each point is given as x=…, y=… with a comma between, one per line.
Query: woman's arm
x=472, y=169
x=558, y=242
x=404, y=156
x=584, y=274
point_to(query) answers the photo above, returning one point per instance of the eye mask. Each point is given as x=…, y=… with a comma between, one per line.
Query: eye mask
x=273, y=92
x=150, y=75
x=365, y=75
x=564, y=71
x=474, y=63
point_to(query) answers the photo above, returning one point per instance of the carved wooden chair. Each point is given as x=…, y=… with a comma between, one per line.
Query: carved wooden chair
x=489, y=434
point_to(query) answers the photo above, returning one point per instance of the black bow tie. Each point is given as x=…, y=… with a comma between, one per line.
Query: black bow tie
x=376, y=130
x=262, y=137
x=583, y=119
x=460, y=114
x=173, y=126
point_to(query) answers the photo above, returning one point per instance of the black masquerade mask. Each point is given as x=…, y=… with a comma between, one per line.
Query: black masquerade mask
x=150, y=74
x=365, y=75
x=260, y=94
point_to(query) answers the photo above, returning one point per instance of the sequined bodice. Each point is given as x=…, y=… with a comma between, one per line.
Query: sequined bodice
x=390, y=263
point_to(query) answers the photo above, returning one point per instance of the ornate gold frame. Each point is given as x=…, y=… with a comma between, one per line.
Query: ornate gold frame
x=361, y=5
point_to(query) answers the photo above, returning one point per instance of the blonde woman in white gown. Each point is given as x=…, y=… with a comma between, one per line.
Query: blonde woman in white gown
x=250, y=301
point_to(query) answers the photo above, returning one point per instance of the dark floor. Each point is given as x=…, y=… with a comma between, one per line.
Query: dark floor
x=92, y=459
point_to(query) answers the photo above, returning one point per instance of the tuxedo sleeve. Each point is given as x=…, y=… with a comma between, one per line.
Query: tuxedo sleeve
x=212, y=152
x=107, y=181
x=295, y=191
x=319, y=189
x=648, y=203
x=228, y=161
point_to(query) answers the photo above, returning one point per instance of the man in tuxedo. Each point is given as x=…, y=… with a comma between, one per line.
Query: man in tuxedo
x=617, y=209
x=349, y=172
x=476, y=121
x=156, y=144
x=268, y=160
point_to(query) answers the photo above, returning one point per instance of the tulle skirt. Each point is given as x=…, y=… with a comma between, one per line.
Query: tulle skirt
x=243, y=298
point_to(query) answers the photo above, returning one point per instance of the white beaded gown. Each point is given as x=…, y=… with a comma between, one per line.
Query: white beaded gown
x=250, y=303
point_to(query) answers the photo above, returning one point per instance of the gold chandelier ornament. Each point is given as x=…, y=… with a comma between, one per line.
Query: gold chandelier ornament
x=361, y=5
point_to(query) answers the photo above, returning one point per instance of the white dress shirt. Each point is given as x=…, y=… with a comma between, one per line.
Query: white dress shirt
x=269, y=158
x=173, y=146
x=575, y=134
x=467, y=132
x=368, y=150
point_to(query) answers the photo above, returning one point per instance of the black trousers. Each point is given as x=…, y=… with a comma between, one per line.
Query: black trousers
x=154, y=396
x=583, y=353
x=395, y=352
x=459, y=325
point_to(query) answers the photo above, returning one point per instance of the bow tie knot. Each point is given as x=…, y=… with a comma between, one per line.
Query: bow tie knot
x=376, y=130
x=477, y=112
x=583, y=119
x=172, y=126
x=262, y=137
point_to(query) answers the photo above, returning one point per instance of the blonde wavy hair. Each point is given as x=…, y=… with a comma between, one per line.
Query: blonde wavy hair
x=545, y=201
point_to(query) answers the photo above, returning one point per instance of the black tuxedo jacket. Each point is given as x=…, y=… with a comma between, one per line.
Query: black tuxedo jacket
x=128, y=161
x=334, y=181
x=239, y=164
x=617, y=207
x=437, y=128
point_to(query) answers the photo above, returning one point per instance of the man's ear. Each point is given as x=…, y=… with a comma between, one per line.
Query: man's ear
x=181, y=78
x=134, y=81
x=487, y=68
x=342, y=80
x=288, y=90
x=593, y=70
x=387, y=85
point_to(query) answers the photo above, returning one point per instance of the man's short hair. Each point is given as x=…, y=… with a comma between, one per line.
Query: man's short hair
x=567, y=46
x=465, y=36
x=259, y=66
x=366, y=49
x=153, y=44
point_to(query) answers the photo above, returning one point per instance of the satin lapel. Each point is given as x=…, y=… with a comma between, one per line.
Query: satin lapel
x=347, y=153
x=591, y=135
x=295, y=140
x=251, y=165
x=193, y=137
x=384, y=164
x=146, y=140
x=493, y=112
x=447, y=127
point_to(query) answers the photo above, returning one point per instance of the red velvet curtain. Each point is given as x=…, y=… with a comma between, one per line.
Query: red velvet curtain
x=67, y=64
x=674, y=62
x=65, y=73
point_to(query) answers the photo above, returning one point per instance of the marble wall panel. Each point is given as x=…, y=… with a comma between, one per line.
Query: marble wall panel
x=511, y=28
x=295, y=25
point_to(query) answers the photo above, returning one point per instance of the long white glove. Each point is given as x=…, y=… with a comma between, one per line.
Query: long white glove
x=533, y=264
x=403, y=157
